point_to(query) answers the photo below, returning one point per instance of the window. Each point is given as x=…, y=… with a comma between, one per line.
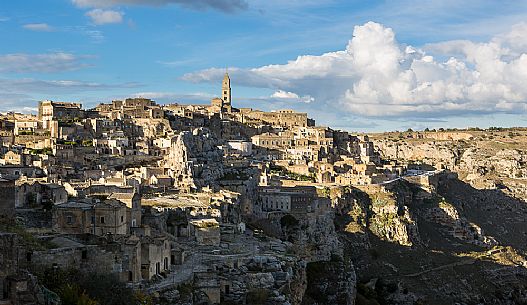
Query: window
x=69, y=219
x=102, y=219
x=122, y=218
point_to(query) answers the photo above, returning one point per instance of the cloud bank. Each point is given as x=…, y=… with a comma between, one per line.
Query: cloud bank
x=49, y=62
x=376, y=76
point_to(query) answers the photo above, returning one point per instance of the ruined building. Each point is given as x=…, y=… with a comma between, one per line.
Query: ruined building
x=7, y=200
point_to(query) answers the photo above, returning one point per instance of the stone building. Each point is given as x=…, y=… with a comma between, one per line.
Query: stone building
x=161, y=181
x=26, y=126
x=49, y=111
x=13, y=158
x=318, y=135
x=35, y=192
x=226, y=90
x=119, y=255
x=113, y=144
x=295, y=200
x=155, y=256
x=91, y=216
x=240, y=147
x=133, y=203
x=268, y=140
x=285, y=118
x=20, y=170
x=7, y=201
x=223, y=104
x=205, y=231
x=131, y=108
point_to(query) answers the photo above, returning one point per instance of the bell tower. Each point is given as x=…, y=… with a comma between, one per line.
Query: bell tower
x=226, y=90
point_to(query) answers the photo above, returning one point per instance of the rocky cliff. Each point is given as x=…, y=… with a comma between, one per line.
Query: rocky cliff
x=194, y=159
x=486, y=160
x=457, y=244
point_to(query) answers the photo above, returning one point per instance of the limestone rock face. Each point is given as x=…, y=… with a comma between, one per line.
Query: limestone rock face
x=505, y=163
x=270, y=279
x=485, y=161
x=391, y=219
x=430, y=152
x=383, y=211
x=313, y=238
x=459, y=227
x=392, y=227
x=455, y=256
x=263, y=280
x=330, y=283
x=195, y=159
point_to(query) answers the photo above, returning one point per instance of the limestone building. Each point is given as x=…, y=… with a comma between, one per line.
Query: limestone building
x=135, y=108
x=49, y=111
x=95, y=217
x=295, y=200
x=226, y=90
x=133, y=202
x=223, y=104
x=27, y=125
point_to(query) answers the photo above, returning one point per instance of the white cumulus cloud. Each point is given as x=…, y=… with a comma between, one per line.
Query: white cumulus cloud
x=284, y=94
x=100, y=16
x=378, y=76
x=38, y=27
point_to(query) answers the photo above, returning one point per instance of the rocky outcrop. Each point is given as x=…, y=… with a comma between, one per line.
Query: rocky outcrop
x=332, y=282
x=508, y=163
x=460, y=255
x=483, y=161
x=459, y=227
x=194, y=159
x=383, y=211
x=428, y=152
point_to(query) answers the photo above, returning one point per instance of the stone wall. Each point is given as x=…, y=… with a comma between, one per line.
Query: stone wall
x=8, y=258
x=7, y=201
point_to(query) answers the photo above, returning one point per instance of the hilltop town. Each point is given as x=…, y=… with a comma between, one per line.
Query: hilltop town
x=213, y=204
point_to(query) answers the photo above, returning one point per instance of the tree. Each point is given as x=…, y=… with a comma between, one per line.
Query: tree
x=258, y=296
x=288, y=221
x=94, y=286
x=141, y=298
x=72, y=295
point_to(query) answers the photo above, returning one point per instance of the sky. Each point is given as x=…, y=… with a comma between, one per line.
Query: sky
x=353, y=65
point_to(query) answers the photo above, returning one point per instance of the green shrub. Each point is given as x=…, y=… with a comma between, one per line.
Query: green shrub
x=257, y=296
x=288, y=221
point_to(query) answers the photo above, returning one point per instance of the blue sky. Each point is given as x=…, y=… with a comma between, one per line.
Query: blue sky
x=410, y=63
